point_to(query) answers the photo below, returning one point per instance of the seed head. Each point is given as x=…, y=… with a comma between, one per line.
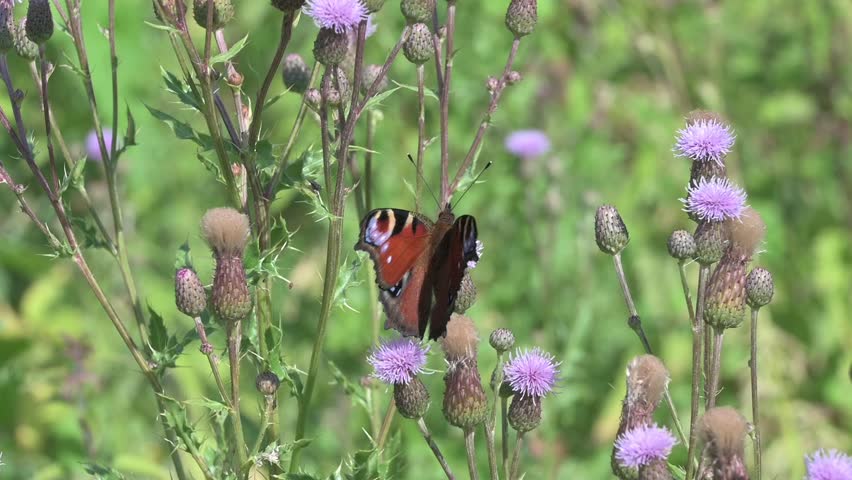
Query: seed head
x=459, y=344
x=223, y=12
x=830, y=465
x=527, y=144
x=296, y=73
x=715, y=200
x=641, y=445
x=610, y=232
x=190, y=297
x=398, y=361
x=226, y=230
x=681, y=245
x=532, y=372
x=705, y=139
x=647, y=379
x=417, y=11
x=521, y=17
x=418, y=48
x=723, y=430
x=759, y=287
x=336, y=15
x=412, y=398
x=747, y=232
x=502, y=340
x=267, y=383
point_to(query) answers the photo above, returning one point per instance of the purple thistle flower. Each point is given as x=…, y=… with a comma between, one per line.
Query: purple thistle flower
x=831, y=465
x=93, y=150
x=715, y=200
x=705, y=140
x=398, y=361
x=527, y=143
x=532, y=372
x=337, y=15
x=642, y=445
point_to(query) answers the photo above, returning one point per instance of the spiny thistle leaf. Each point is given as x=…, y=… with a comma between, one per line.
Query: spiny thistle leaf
x=347, y=277
x=231, y=53
x=185, y=92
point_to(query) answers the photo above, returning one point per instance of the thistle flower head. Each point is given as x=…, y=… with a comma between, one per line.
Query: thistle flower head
x=527, y=143
x=705, y=139
x=398, y=361
x=647, y=379
x=715, y=200
x=532, y=372
x=93, y=149
x=460, y=342
x=723, y=429
x=748, y=231
x=642, y=445
x=337, y=15
x=830, y=465
x=226, y=230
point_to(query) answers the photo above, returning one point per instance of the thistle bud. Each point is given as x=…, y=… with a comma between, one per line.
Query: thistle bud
x=288, y=5
x=681, y=245
x=610, y=232
x=170, y=7
x=374, y=6
x=521, y=17
x=223, y=12
x=227, y=232
x=723, y=431
x=513, y=77
x=492, y=84
x=418, y=48
x=39, y=21
x=335, y=87
x=711, y=240
x=371, y=73
x=190, y=297
x=296, y=73
x=525, y=413
x=465, y=404
x=502, y=340
x=412, y=398
x=24, y=47
x=655, y=470
x=267, y=383
x=330, y=47
x=759, y=287
x=466, y=296
x=417, y=11
x=7, y=28
x=313, y=98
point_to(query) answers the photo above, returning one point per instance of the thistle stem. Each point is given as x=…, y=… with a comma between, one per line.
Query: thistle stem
x=235, y=335
x=715, y=371
x=445, y=103
x=208, y=351
x=421, y=134
x=635, y=324
x=516, y=456
x=470, y=449
x=697, y=336
x=755, y=401
x=427, y=435
x=491, y=423
x=386, y=424
x=264, y=423
x=504, y=431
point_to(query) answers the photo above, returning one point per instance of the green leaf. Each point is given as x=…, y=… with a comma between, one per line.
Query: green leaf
x=298, y=476
x=130, y=134
x=92, y=237
x=183, y=257
x=347, y=277
x=102, y=472
x=186, y=92
x=182, y=130
x=376, y=101
x=211, y=165
x=76, y=176
x=158, y=336
x=231, y=53
x=364, y=465
x=160, y=26
x=426, y=91
x=165, y=348
x=353, y=390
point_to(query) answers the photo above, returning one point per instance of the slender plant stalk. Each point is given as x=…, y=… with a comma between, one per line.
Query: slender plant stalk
x=46, y=109
x=697, y=336
x=421, y=135
x=636, y=324
x=427, y=435
x=470, y=449
x=265, y=421
x=386, y=425
x=368, y=166
x=755, y=400
x=504, y=431
x=491, y=423
x=516, y=456
x=715, y=371
x=208, y=351
x=687, y=294
x=235, y=336
x=195, y=454
x=445, y=103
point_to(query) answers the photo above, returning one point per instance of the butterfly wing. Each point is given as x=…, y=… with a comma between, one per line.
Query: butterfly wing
x=395, y=239
x=456, y=249
x=407, y=306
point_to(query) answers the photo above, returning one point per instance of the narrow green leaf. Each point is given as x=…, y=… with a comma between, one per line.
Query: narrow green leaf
x=231, y=53
x=130, y=134
x=375, y=101
x=426, y=91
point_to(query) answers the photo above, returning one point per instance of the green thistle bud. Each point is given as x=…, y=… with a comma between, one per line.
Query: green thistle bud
x=313, y=98
x=7, y=28
x=39, y=21
x=412, y=398
x=288, y=5
x=418, y=47
x=759, y=287
x=525, y=413
x=296, y=73
x=711, y=240
x=223, y=12
x=24, y=47
x=371, y=73
x=655, y=470
x=170, y=7
x=267, y=383
x=502, y=340
x=374, y=6
x=227, y=232
x=681, y=245
x=330, y=47
x=726, y=295
x=329, y=88
x=417, y=11
x=610, y=232
x=521, y=17
x=190, y=297
x=466, y=296
x=465, y=404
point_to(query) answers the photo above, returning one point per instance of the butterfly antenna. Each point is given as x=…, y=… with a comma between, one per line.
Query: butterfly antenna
x=420, y=174
x=472, y=183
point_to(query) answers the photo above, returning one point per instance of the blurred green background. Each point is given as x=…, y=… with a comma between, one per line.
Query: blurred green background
x=610, y=83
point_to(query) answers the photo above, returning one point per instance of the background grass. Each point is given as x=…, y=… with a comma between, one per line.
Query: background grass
x=610, y=82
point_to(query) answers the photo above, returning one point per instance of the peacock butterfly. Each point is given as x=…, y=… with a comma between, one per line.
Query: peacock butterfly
x=419, y=265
